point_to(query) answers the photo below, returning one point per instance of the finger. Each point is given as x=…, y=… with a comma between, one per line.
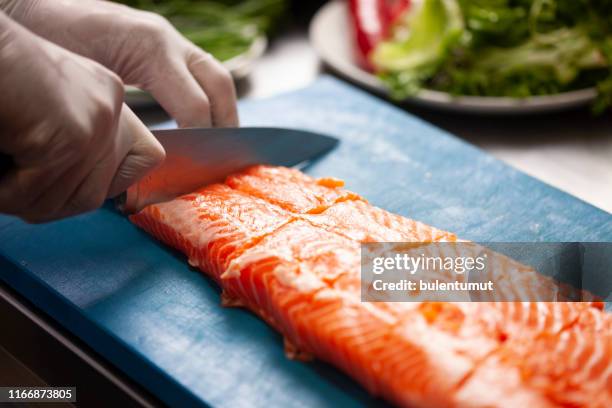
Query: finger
x=23, y=185
x=144, y=154
x=181, y=95
x=98, y=184
x=42, y=189
x=18, y=189
x=218, y=84
x=90, y=193
x=85, y=156
x=60, y=184
x=65, y=197
x=94, y=188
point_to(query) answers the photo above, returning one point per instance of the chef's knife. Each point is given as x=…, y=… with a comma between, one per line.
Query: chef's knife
x=197, y=157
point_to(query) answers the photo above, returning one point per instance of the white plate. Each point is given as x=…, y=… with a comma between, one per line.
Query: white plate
x=330, y=35
x=239, y=66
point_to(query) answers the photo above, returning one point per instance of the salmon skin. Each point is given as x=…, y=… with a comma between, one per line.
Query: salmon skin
x=287, y=247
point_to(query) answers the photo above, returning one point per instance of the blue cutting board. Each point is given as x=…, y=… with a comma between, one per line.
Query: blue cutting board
x=143, y=308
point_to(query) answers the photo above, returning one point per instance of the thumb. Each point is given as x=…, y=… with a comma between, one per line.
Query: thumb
x=145, y=152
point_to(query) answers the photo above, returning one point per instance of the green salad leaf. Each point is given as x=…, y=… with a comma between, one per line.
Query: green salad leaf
x=516, y=48
x=414, y=56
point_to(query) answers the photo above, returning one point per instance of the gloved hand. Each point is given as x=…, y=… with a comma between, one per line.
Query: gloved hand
x=62, y=121
x=143, y=49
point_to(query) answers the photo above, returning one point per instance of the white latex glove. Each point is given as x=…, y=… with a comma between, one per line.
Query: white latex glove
x=143, y=49
x=62, y=121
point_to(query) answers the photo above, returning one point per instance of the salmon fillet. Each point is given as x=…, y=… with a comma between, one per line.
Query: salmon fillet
x=212, y=225
x=287, y=247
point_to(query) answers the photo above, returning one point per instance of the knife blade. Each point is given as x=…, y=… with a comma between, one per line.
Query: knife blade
x=197, y=157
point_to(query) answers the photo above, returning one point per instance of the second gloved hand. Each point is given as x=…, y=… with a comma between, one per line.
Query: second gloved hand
x=143, y=49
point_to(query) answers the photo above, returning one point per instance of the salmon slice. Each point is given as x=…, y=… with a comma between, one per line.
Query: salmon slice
x=213, y=225
x=569, y=368
x=474, y=344
x=289, y=256
x=360, y=221
x=290, y=279
x=290, y=189
x=526, y=320
x=287, y=247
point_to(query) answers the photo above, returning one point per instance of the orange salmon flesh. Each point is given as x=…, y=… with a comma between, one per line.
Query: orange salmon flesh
x=286, y=246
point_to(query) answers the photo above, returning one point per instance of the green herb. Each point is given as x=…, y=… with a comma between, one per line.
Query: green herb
x=225, y=28
x=516, y=48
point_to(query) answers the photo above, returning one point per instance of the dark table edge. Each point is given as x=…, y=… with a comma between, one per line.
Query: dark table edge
x=61, y=359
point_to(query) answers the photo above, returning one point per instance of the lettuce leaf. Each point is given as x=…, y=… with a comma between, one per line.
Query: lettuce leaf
x=411, y=57
x=516, y=48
